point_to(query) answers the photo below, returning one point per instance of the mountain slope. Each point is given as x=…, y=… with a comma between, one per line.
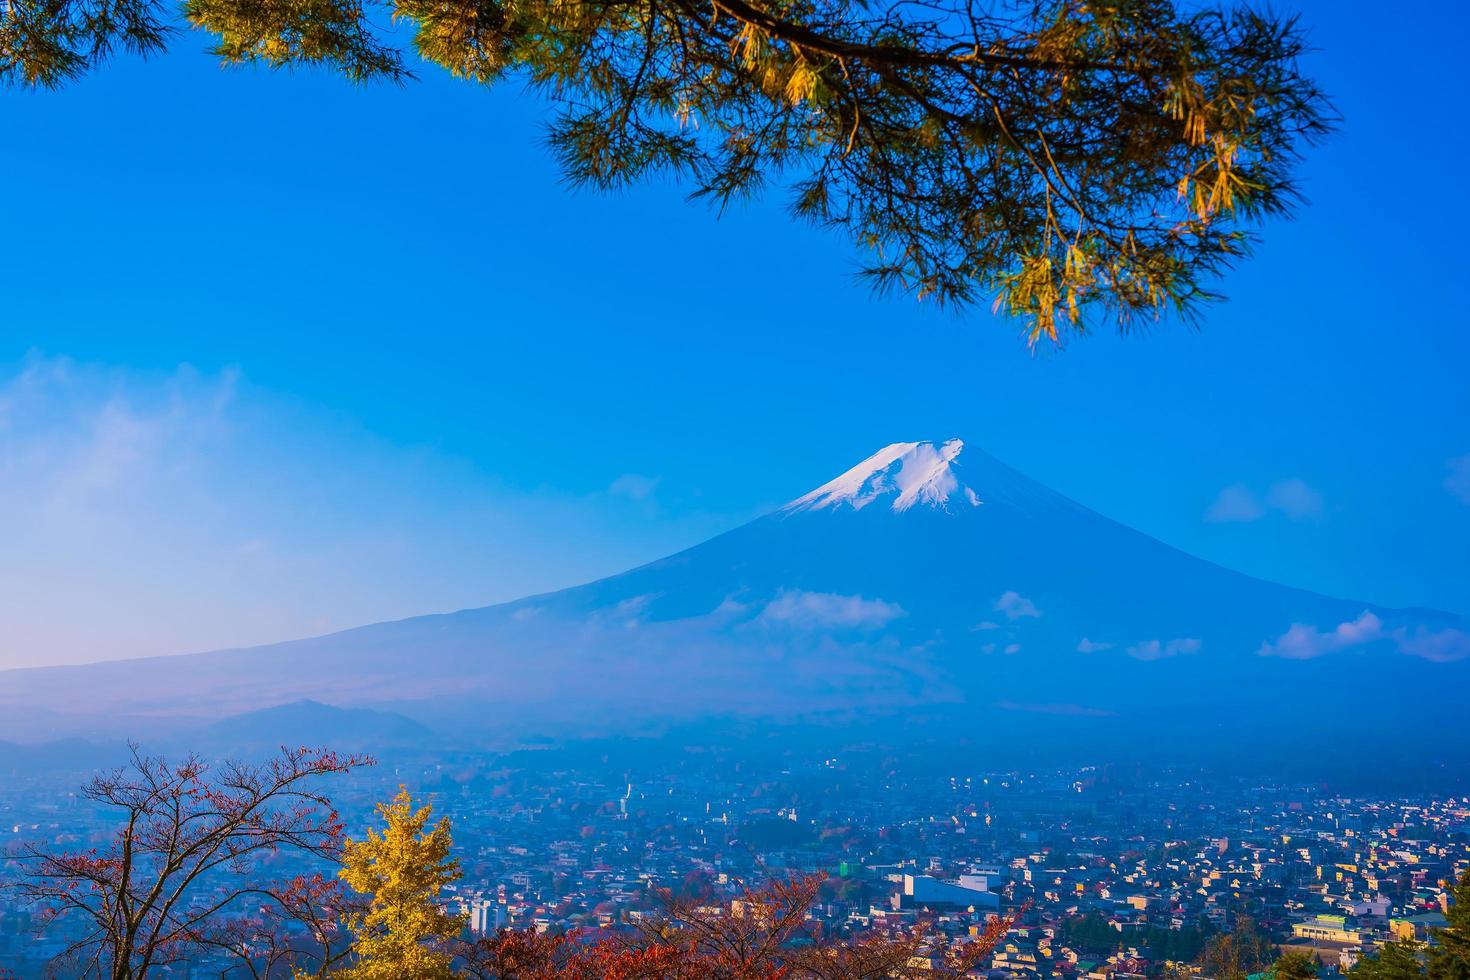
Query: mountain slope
x=930, y=574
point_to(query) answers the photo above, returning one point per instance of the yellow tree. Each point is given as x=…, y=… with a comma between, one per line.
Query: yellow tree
x=402, y=869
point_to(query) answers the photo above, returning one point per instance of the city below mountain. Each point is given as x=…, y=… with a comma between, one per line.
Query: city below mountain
x=928, y=583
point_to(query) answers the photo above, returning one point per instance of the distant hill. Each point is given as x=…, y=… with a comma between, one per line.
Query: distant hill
x=311, y=723
x=930, y=579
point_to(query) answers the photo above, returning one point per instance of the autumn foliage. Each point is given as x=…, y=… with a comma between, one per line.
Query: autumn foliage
x=402, y=869
x=763, y=935
x=188, y=875
x=185, y=874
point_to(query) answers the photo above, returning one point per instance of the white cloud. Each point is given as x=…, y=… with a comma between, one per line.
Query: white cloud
x=1239, y=504
x=79, y=450
x=634, y=486
x=630, y=611
x=1016, y=606
x=826, y=610
x=1235, y=503
x=1295, y=499
x=730, y=608
x=1088, y=646
x=1439, y=646
x=1458, y=482
x=74, y=438
x=1160, y=650
x=156, y=512
x=1303, y=641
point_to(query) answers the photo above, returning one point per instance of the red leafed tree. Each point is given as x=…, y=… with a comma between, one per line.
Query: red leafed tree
x=763, y=935
x=183, y=874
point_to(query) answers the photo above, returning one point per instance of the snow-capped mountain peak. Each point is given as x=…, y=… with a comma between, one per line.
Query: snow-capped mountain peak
x=1028, y=605
x=904, y=475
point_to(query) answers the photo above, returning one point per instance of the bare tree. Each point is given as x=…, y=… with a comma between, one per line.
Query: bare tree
x=182, y=876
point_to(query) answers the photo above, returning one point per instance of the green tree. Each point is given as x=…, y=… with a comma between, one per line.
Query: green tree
x=1449, y=957
x=1091, y=934
x=1294, y=965
x=1238, y=953
x=1399, y=960
x=402, y=869
x=1080, y=162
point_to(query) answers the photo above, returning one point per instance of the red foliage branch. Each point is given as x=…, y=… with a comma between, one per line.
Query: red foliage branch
x=182, y=873
x=764, y=935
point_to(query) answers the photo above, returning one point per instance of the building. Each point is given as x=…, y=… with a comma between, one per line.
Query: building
x=923, y=891
x=1326, y=928
x=487, y=917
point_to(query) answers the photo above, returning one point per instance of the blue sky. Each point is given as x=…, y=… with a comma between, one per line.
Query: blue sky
x=283, y=355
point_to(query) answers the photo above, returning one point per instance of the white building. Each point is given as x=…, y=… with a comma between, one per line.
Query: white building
x=487, y=917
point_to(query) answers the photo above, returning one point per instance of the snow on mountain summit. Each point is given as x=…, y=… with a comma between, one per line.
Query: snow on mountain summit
x=905, y=474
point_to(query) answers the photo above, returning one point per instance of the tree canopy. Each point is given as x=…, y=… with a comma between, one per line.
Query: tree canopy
x=393, y=909
x=1078, y=160
x=403, y=869
x=1091, y=933
x=1446, y=957
x=1294, y=965
x=188, y=870
x=1398, y=960
x=766, y=936
x=1450, y=957
x=1237, y=954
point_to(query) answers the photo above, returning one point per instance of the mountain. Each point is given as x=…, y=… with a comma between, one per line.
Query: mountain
x=929, y=579
x=308, y=722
